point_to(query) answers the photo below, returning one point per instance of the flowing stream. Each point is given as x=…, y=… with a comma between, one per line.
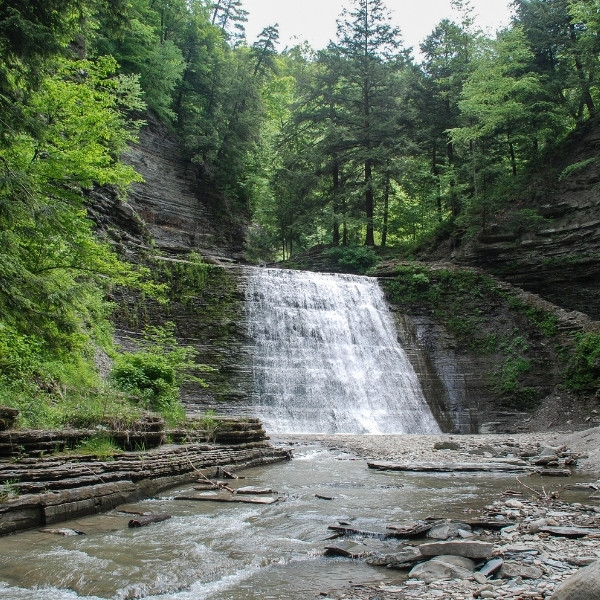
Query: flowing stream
x=218, y=551
x=327, y=359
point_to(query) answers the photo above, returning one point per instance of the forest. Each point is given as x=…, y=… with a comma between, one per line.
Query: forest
x=361, y=146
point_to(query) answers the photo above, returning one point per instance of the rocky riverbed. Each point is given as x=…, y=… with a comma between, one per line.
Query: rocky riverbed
x=526, y=544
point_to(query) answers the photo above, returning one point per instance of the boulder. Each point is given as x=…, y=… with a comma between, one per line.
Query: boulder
x=584, y=585
x=403, y=559
x=512, y=570
x=467, y=548
x=445, y=531
x=443, y=567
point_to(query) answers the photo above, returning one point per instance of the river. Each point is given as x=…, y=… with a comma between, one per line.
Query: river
x=216, y=551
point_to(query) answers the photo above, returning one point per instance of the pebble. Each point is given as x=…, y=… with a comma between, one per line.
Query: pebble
x=553, y=558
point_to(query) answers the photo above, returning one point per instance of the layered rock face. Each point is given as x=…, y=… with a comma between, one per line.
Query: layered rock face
x=171, y=210
x=551, y=244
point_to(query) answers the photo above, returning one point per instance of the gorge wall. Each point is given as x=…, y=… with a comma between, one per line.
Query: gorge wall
x=490, y=357
x=548, y=241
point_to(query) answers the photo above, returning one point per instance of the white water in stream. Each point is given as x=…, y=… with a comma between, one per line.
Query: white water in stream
x=326, y=358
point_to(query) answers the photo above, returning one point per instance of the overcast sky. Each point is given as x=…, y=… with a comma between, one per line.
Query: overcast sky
x=315, y=20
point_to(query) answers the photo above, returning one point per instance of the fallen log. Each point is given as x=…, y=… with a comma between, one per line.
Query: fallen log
x=489, y=467
x=144, y=520
x=250, y=489
x=221, y=498
x=221, y=472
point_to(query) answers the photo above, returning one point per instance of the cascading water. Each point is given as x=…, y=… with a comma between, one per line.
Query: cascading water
x=326, y=358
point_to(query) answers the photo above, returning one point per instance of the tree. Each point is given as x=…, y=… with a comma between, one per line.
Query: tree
x=54, y=271
x=447, y=52
x=506, y=111
x=369, y=50
x=230, y=17
x=555, y=40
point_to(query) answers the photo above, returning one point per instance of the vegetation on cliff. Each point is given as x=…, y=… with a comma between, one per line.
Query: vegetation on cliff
x=350, y=145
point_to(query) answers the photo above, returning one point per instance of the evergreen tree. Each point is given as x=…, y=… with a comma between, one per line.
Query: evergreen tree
x=230, y=17
x=370, y=58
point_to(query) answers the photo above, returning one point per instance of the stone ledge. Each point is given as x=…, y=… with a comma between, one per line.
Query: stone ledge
x=63, y=488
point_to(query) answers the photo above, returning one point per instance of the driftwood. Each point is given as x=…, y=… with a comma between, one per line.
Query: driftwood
x=254, y=490
x=143, y=520
x=207, y=497
x=429, y=467
x=207, y=483
x=221, y=472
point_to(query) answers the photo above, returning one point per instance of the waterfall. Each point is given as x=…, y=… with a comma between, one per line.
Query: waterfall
x=326, y=357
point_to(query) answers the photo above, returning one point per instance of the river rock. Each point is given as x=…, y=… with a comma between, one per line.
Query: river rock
x=445, y=531
x=467, y=548
x=491, y=567
x=584, y=585
x=446, y=445
x=512, y=570
x=443, y=567
x=346, y=549
x=64, y=532
x=570, y=532
x=537, y=524
x=398, y=560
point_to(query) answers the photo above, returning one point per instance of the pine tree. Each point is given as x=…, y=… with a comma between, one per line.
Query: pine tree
x=370, y=58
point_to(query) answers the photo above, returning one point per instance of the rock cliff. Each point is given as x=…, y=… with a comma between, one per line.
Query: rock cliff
x=485, y=361
x=548, y=241
x=171, y=211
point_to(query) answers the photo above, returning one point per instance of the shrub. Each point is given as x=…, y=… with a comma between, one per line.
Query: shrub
x=153, y=375
x=357, y=259
x=583, y=370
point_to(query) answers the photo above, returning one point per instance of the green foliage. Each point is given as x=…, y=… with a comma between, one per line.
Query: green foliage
x=355, y=259
x=210, y=424
x=184, y=279
x=583, y=370
x=9, y=490
x=101, y=446
x=154, y=374
x=577, y=167
x=473, y=308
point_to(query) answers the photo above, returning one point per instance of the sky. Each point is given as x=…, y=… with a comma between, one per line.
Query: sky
x=315, y=20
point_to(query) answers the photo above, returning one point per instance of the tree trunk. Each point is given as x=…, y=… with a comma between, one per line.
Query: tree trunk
x=436, y=173
x=585, y=84
x=336, y=207
x=369, y=204
x=386, y=210
x=513, y=160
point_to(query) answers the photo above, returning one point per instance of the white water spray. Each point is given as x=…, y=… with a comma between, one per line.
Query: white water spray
x=326, y=358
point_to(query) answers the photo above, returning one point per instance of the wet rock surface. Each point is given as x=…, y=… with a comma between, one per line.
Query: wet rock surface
x=526, y=544
x=53, y=488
